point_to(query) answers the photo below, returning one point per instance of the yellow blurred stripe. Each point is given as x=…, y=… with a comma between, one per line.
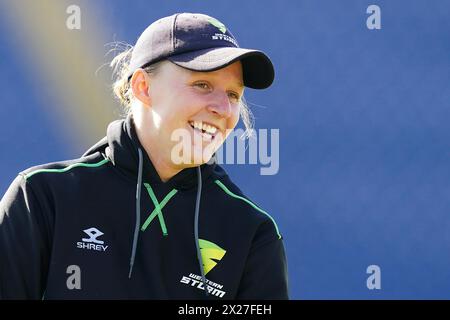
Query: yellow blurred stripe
x=64, y=63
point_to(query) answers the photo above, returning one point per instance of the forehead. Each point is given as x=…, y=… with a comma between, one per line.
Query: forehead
x=231, y=73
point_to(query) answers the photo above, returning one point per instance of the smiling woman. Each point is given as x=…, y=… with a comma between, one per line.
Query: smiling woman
x=174, y=82
x=86, y=226
x=203, y=106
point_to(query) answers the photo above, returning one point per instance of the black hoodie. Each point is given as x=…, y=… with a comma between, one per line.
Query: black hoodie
x=105, y=226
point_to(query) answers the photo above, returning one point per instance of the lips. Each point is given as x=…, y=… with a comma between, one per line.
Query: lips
x=207, y=131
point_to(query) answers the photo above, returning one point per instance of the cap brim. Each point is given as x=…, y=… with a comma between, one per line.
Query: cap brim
x=258, y=71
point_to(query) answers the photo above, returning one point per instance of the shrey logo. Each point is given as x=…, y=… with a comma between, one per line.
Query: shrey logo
x=92, y=243
x=93, y=234
x=219, y=25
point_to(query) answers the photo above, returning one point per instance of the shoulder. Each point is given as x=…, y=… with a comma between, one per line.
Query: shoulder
x=231, y=197
x=64, y=167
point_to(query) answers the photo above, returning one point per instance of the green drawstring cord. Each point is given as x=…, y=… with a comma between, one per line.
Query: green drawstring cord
x=158, y=208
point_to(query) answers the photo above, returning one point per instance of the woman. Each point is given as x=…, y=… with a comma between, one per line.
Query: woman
x=144, y=214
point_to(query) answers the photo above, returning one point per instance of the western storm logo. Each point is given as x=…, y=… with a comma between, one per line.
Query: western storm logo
x=195, y=280
x=221, y=36
x=219, y=25
x=92, y=243
x=210, y=252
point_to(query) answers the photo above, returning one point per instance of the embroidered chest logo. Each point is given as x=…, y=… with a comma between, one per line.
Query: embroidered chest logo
x=211, y=255
x=92, y=243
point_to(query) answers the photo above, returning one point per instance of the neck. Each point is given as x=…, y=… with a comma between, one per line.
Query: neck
x=165, y=168
x=165, y=171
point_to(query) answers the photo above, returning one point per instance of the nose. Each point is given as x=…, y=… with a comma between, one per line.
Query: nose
x=220, y=105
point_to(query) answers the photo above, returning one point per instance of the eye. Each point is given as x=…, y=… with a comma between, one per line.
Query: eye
x=202, y=85
x=234, y=97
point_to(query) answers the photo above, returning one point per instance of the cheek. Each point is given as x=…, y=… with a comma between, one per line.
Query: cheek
x=170, y=101
x=183, y=109
x=174, y=112
x=173, y=121
x=234, y=118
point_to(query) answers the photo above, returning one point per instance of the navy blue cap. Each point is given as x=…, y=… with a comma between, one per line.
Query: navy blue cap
x=200, y=43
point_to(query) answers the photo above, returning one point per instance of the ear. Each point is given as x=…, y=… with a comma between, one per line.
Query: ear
x=140, y=83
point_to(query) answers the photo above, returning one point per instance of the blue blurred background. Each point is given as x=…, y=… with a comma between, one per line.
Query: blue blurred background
x=363, y=116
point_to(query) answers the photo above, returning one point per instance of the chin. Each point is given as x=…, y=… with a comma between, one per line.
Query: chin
x=199, y=157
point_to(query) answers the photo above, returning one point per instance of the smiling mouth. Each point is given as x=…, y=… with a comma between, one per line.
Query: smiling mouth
x=207, y=131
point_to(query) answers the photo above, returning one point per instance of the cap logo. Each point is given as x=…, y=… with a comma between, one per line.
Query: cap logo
x=219, y=25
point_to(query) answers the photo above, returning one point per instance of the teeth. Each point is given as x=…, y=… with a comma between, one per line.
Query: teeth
x=203, y=126
x=209, y=129
x=206, y=136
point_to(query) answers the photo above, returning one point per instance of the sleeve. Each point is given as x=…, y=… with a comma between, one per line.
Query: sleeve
x=24, y=245
x=266, y=274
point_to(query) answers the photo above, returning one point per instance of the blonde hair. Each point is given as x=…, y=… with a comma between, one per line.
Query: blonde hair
x=122, y=89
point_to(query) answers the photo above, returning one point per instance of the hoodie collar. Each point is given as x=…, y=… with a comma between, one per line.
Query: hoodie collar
x=122, y=149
